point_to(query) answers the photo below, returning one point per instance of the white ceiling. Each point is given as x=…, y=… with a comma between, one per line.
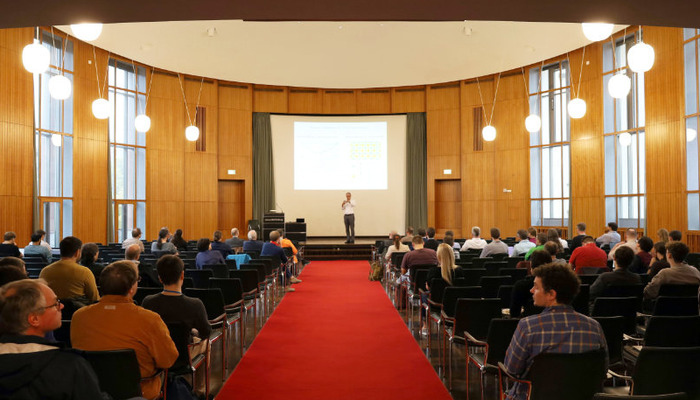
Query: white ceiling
x=340, y=54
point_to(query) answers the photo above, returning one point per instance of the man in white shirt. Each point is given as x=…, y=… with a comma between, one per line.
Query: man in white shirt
x=630, y=241
x=134, y=239
x=523, y=245
x=476, y=242
x=348, y=207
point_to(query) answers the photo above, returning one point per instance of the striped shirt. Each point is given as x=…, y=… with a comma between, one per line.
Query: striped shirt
x=558, y=329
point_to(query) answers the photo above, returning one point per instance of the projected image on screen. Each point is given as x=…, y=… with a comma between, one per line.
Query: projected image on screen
x=340, y=155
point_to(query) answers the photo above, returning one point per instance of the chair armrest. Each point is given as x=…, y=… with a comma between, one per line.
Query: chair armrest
x=628, y=338
x=433, y=303
x=237, y=304
x=423, y=291
x=502, y=369
x=474, y=341
x=446, y=318
x=619, y=376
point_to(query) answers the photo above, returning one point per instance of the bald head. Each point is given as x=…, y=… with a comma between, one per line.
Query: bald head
x=133, y=252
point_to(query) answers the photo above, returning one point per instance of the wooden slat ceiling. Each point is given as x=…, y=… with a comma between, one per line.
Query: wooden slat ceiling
x=677, y=13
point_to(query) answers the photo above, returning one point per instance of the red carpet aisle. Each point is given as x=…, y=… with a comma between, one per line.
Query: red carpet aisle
x=336, y=337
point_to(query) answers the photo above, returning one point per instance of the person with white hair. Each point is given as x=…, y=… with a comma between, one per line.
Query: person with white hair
x=476, y=242
x=252, y=244
x=235, y=241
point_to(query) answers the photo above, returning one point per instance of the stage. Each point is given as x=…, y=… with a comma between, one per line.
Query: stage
x=335, y=248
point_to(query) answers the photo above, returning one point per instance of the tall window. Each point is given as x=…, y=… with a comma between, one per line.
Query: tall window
x=550, y=178
x=53, y=137
x=625, y=178
x=692, y=114
x=127, y=148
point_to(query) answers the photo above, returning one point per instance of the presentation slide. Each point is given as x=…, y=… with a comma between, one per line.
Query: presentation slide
x=317, y=159
x=340, y=155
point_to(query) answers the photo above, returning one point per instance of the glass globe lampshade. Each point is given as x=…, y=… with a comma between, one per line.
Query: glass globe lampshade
x=619, y=86
x=100, y=109
x=60, y=87
x=597, y=31
x=36, y=58
x=690, y=134
x=86, y=32
x=576, y=108
x=142, y=123
x=533, y=123
x=192, y=133
x=641, y=57
x=56, y=140
x=625, y=139
x=488, y=133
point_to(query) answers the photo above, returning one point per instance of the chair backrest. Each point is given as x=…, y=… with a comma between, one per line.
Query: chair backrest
x=213, y=301
x=513, y=261
x=397, y=258
x=231, y=264
x=678, y=290
x=475, y=315
x=200, y=277
x=693, y=259
x=592, y=270
x=623, y=291
x=515, y=273
x=142, y=292
x=231, y=289
x=181, y=336
x=62, y=334
x=122, y=385
x=219, y=270
x=258, y=268
x=500, y=334
x=612, y=328
x=419, y=281
x=452, y=293
x=505, y=293
x=253, y=253
x=188, y=283
x=473, y=276
x=588, y=279
x=492, y=267
x=678, y=331
x=490, y=285
x=567, y=376
x=249, y=278
x=499, y=256
x=479, y=261
x=437, y=289
x=667, y=370
x=582, y=300
x=617, y=306
x=666, y=305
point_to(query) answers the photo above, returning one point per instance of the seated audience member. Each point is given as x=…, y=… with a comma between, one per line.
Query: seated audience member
x=36, y=249
x=476, y=242
x=450, y=240
x=133, y=254
x=173, y=306
x=117, y=323
x=134, y=239
x=11, y=269
x=577, y=241
x=218, y=245
x=397, y=247
x=252, y=244
x=445, y=271
x=42, y=235
x=541, y=240
x=178, y=241
x=162, y=245
x=419, y=255
x=564, y=244
x=524, y=245
x=206, y=255
x=588, y=255
x=383, y=245
x=68, y=279
x=640, y=265
x=679, y=273
x=658, y=259
x=554, y=249
x=521, y=297
x=9, y=246
x=88, y=259
x=235, y=242
x=610, y=237
x=496, y=246
x=675, y=236
x=274, y=248
x=284, y=242
x=630, y=241
x=532, y=235
x=422, y=234
x=557, y=329
x=431, y=243
x=455, y=245
x=32, y=367
x=553, y=236
x=662, y=234
x=619, y=276
x=409, y=236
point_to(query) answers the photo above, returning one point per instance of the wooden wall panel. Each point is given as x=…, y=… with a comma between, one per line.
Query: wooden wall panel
x=231, y=203
x=448, y=207
x=271, y=99
x=408, y=99
x=374, y=101
x=305, y=101
x=339, y=102
x=16, y=135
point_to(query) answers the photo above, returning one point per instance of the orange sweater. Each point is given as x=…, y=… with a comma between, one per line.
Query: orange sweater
x=288, y=243
x=117, y=323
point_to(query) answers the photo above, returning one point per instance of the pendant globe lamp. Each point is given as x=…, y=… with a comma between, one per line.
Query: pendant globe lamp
x=596, y=31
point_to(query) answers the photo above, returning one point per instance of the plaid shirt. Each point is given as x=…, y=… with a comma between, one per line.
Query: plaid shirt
x=558, y=329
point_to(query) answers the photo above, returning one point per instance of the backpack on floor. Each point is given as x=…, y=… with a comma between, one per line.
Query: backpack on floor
x=376, y=271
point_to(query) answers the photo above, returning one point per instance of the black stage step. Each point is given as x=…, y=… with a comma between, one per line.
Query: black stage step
x=338, y=251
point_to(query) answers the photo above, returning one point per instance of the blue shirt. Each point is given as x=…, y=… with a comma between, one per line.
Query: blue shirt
x=222, y=248
x=557, y=329
x=272, y=249
x=209, y=257
x=252, y=245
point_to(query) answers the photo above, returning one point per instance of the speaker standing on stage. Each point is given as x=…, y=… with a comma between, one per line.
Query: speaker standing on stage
x=348, y=207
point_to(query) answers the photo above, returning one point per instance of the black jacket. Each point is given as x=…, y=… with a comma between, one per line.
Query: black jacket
x=40, y=369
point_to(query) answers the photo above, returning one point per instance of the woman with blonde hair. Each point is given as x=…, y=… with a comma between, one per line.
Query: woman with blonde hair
x=445, y=270
x=663, y=235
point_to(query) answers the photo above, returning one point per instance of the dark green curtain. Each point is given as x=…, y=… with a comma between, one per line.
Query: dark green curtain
x=263, y=172
x=416, y=170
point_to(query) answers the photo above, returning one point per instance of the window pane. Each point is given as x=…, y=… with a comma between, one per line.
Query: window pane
x=131, y=173
x=692, y=155
x=566, y=214
x=641, y=170
x=68, y=108
x=564, y=116
x=535, y=171
x=607, y=57
x=557, y=121
x=555, y=182
x=610, y=210
x=140, y=136
x=546, y=117
x=641, y=104
x=52, y=223
x=694, y=211
x=535, y=109
x=628, y=212
x=141, y=87
x=67, y=166
x=125, y=220
x=141, y=174
x=141, y=215
x=536, y=212
x=609, y=165
x=50, y=167
x=50, y=108
x=546, y=172
x=120, y=172
x=534, y=80
x=688, y=33
x=690, y=67
x=642, y=212
x=608, y=107
x=566, y=174
x=67, y=218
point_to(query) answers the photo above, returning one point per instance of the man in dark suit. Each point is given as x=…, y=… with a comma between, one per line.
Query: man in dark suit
x=577, y=241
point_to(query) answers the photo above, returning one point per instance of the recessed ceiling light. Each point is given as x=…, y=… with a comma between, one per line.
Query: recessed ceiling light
x=211, y=32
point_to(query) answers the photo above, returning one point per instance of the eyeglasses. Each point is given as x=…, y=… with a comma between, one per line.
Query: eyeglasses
x=57, y=305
